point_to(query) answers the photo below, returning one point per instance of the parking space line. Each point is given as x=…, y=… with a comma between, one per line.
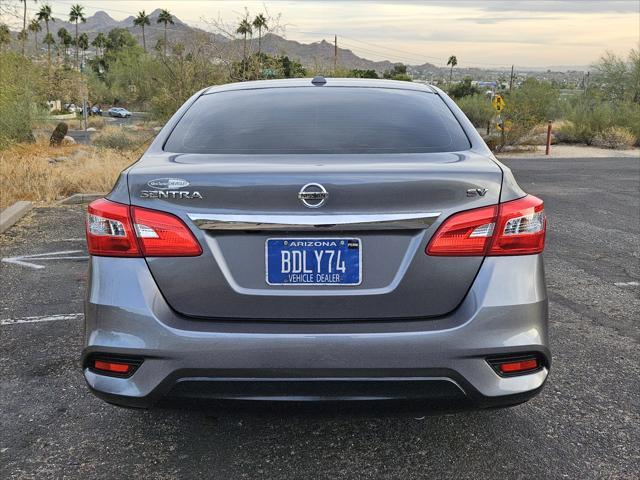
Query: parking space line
x=39, y=319
x=62, y=255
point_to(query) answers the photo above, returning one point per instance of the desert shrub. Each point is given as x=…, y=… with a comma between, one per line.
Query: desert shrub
x=463, y=89
x=21, y=98
x=615, y=137
x=477, y=108
x=591, y=114
x=117, y=138
x=531, y=104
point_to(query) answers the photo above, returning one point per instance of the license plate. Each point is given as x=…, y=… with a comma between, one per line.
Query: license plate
x=313, y=261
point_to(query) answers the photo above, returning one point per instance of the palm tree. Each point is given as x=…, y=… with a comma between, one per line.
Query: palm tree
x=77, y=15
x=453, y=61
x=83, y=43
x=99, y=42
x=48, y=41
x=260, y=23
x=34, y=27
x=140, y=21
x=166, y=18
x=5, y=36
x=244, y=29
x=23, y=35
x=44, y=15
x=65, y=41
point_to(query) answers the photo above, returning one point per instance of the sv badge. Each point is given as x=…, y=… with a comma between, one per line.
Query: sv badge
x=477, y=192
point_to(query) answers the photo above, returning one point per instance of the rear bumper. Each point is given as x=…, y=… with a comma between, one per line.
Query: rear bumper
x=432, y=362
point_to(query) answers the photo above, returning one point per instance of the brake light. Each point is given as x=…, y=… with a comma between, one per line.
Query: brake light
x=109, y=230
x=116, y=230
x=517, y=227
x=164, y=235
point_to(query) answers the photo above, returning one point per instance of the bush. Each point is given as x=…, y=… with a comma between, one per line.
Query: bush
x=463, y=89
x=531, y=104
x=21, y=95
x=591, y=114
x=615, y=137
x=477, y=108
x=117, y=138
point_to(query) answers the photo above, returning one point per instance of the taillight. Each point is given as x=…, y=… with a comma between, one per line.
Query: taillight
x=521, y=227
x=109, y=230
x=517, y=227
x=116, y=230
x=164, y=235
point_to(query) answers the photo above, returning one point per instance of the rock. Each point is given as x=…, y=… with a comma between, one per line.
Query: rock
x=67, y=140
x=91, y=129
x=58, y=134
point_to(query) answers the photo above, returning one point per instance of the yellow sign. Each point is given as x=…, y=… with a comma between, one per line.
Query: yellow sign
x=498, y=103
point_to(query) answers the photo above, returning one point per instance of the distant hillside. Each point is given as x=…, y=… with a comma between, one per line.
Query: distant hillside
x=317, y=54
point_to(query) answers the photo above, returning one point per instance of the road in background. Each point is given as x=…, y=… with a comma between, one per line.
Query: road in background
x=583, y=425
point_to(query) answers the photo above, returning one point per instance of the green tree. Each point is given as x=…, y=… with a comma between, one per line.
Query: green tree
x=76, y=14
x=398, y=72
x=244, y=29
x=35, y=27
x=83, y=44
x=48, y=41
x=357, y=73
x=5, y=36
x=44, y=15
x=463, y=89
x=634, y=61
x=23, y=34
x=260, y=23
x=140, y=21
x=100, y=42
x=65, y=40
x=453, y=61
x=166, y=18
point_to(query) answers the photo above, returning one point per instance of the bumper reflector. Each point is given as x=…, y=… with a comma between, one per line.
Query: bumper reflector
x=517, y=364
x=112, y=367
x=522, y=366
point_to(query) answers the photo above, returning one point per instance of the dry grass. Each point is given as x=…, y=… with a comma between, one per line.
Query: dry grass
x=44, y=174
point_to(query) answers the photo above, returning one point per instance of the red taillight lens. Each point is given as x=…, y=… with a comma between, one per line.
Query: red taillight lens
x=109, y=230
x=517, y=227
x=465, y=233
x=116, y=230
x=163, y=235
x=521, y=228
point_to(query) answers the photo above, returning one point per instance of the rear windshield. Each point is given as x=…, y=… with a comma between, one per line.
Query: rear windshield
x=307, y=120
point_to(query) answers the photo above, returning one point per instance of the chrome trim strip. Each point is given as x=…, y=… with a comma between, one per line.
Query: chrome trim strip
x=389, y=221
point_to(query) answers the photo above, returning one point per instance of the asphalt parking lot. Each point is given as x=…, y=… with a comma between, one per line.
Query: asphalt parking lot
x=585, y=424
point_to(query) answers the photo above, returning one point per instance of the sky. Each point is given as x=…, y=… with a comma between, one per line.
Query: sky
x=489, y=33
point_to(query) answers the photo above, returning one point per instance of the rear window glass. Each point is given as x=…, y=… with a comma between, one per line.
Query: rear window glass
x=307, y=120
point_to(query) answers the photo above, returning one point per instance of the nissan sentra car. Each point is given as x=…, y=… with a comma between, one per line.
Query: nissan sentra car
x=328, y=240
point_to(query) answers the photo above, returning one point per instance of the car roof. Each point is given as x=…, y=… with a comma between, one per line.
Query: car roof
x=330, y=82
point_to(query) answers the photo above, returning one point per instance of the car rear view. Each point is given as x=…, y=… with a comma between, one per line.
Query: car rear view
x=327, y=240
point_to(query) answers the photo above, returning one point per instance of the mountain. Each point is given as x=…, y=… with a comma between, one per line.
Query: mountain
x=316, y=55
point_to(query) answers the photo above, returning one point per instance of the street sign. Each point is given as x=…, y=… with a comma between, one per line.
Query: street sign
x=498, y=103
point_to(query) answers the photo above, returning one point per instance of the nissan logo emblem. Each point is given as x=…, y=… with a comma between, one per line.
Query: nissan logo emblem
x=313, y=195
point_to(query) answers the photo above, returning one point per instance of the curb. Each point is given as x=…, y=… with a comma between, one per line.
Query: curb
x=78, y=198
x=10, y=215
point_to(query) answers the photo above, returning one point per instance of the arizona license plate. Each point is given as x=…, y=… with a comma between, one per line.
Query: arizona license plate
x=313, y=261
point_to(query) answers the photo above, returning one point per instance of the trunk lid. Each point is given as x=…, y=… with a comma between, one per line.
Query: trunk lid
x=391, y=203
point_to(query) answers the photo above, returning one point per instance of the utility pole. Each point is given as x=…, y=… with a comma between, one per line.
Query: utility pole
x=335, y=54
x=511, y=79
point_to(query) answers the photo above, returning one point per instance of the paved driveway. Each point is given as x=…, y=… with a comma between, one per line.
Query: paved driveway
x=585, y=424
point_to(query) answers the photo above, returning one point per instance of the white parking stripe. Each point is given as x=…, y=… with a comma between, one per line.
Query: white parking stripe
x=47, y=318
